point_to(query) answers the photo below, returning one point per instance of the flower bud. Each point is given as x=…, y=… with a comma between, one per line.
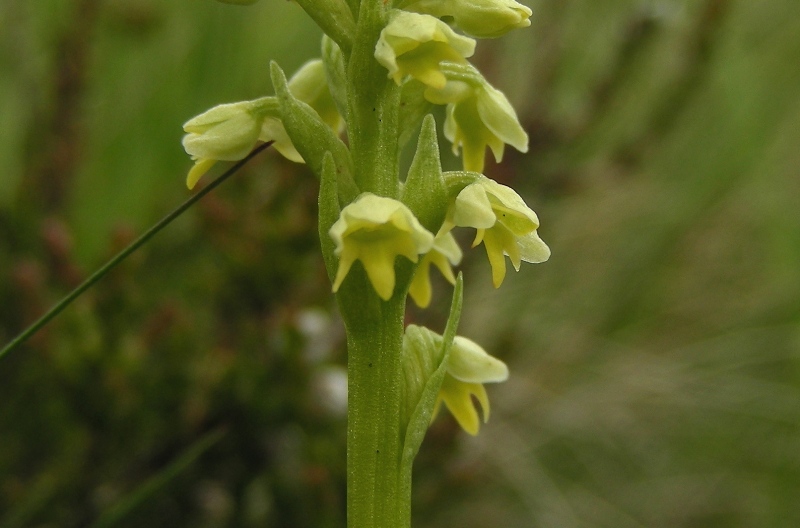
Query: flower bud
x=226, y=132
x=478, y=115
x=478, y=18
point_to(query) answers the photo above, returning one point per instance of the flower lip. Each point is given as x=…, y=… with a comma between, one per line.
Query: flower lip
x=443, y=254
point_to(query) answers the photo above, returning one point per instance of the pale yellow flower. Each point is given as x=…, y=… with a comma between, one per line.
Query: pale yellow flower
x=468, y=368
x=478, y=115
x=229, y=132
x=444, y=254
x=479, y=18
x=226, y=132
x=504, y=223
x=375, y=230
x=415, y=44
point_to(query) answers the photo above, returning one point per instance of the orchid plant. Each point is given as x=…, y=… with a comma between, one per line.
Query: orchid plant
x=384, y=65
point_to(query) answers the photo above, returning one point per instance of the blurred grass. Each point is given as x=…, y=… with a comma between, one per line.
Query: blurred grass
x=655, y=369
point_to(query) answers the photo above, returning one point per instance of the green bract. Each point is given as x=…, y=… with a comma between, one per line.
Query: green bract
x=310, y=85
x=479, y=18
x=375, y=230
x=505, y=224
x=415, y=44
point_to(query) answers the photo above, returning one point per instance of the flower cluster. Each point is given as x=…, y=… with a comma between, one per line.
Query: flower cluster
x=392, y=233
x=420, y=46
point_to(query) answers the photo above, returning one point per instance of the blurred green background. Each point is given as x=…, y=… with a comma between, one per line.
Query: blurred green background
x=655, y=358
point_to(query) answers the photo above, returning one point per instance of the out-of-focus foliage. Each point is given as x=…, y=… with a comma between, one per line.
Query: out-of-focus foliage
x=655, y=360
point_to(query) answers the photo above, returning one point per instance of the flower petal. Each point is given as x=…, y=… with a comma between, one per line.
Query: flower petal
x=499, y=116
x=200, y=167
x=469, y=362
x=457, y=396
x=473, y=208
x=533, y=249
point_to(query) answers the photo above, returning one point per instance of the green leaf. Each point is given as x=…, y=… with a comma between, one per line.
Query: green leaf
x=334, y=18
x=329, y=212
x=312, y=137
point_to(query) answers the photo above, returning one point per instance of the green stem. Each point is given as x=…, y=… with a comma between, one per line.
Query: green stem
x=373, y=104
x=374, y=442
x=122, y=255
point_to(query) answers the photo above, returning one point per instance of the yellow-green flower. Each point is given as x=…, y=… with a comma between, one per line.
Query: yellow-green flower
x=375, y=230
x=505, y=224
x=226, y=132
x=415, y=44
x=229, y=132
x=478, y=115
x=468, y=368
x=444, y=254
x=479, y=18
